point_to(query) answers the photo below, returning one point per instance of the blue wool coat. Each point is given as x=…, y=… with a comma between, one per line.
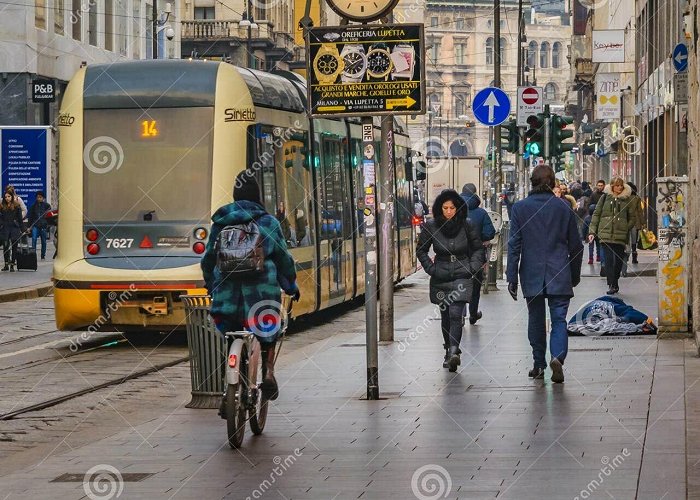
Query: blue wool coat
x=544, y=248
x=479, y=217
x=236, y=298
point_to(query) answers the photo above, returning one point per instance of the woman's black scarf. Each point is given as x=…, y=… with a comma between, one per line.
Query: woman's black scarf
x=453, y=226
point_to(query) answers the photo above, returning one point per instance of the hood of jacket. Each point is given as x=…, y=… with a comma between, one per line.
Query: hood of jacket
x=472, y=200
x=238, y=212
x=626, y=191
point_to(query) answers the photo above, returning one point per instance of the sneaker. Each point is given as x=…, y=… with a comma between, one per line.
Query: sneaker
x=474, y=319
x=536, y=373
x=590, y=262
x=611, y=291
x=557, y=371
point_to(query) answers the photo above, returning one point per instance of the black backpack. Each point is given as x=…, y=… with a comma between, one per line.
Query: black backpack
x=239, y=250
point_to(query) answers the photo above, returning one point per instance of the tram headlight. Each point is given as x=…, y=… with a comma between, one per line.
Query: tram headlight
x=200, y=233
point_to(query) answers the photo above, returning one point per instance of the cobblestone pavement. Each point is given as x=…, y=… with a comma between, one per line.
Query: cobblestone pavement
x=615, y=429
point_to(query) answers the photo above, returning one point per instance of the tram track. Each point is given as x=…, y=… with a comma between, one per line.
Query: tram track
x=75, y=394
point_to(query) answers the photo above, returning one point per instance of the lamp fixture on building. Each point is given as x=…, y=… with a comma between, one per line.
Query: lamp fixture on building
x=247, y=21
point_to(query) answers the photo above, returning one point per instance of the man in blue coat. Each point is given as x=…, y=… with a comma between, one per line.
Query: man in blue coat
x=482, y=222
x=545, y=251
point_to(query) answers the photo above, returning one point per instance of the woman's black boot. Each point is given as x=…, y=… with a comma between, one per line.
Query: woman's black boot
x=453, y=361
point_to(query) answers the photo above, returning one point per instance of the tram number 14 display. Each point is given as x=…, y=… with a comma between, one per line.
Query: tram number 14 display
x=149, y=128
x=119, y=242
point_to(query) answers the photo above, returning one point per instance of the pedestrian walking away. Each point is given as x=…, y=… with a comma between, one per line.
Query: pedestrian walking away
x=239, y=297
x=482, y=223
x=614, y=217
x=11, y=229
x=544, y=257
x=638, y=211
x=459, y=255
x=38, y=222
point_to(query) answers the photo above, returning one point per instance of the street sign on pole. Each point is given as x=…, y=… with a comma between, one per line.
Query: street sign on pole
x=491, y=106
x=680, y=87
x=680, y=57
x=530, y=102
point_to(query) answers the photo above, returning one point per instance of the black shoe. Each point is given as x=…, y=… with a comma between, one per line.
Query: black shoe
x=536, y=373
x=474, y=319
x=12, y=268
x=557, y=371
x=6, y=268
x=616, y=289
x=602, y=271
x=611, y=290
x=453, y=362
x=269, y=388
x=634, y=259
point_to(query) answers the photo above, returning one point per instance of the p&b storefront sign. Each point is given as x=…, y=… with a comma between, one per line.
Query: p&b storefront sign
x=43, y=90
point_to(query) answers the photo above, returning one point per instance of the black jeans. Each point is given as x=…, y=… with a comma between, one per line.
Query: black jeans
x=476, y=293
x=9, y=249
x=614, y=258
x=451, y=322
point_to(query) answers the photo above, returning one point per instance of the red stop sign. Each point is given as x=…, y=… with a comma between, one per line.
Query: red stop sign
x=530, y=95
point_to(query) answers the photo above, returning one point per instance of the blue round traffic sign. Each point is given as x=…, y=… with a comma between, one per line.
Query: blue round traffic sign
x=491, y=106
x=680, y=57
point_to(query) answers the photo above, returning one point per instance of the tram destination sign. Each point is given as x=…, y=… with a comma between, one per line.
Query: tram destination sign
x=366, y=70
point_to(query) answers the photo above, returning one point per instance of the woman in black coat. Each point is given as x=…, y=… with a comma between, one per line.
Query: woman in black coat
x=11, y=229
x=459, y=254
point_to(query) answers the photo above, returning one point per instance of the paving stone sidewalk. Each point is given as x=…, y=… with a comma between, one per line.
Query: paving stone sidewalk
x=614, y=429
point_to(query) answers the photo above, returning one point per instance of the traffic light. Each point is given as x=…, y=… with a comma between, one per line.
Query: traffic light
x=509, y=136
x=534, y=135
x=559, y=133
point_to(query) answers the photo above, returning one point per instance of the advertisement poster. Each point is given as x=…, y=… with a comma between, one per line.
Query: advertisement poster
x=366, y=70
x=25, y=154
x=608, y=46
x=608, y=96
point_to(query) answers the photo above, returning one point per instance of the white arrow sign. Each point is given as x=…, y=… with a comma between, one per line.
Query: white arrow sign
x=681, y=57
x=491, y=102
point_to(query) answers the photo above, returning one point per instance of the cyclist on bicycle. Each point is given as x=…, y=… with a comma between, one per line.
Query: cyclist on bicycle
x=250, y=300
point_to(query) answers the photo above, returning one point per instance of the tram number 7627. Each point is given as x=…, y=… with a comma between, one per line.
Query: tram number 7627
x=119, y=242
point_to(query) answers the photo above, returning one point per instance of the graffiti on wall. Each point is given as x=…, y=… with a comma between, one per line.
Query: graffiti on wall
x=673, y=262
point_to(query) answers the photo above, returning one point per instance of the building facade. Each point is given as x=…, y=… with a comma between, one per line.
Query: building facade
x=460, y=61
x=50, y=39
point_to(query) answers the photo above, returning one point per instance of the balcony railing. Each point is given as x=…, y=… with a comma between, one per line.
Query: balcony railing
x=220, y=29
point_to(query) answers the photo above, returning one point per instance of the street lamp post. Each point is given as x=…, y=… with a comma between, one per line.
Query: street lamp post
x=159, y=28
x=249, y=22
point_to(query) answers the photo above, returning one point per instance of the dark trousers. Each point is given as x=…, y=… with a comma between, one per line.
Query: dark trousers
x=451, y=322
x=9, y=250
x=39, y=232
x=476, y=293
x=537, y=327
x=614, y=259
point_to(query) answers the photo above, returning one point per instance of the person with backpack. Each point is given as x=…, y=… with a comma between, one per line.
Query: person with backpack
x=38, y=222
x=459, y=255
x=482, y=222
x=613, y=219
x=245, y=265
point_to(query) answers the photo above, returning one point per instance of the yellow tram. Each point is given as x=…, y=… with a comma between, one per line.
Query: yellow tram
x=150, y=149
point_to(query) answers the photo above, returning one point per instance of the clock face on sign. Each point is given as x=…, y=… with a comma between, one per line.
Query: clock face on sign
x=362, y=10
x=327, y=64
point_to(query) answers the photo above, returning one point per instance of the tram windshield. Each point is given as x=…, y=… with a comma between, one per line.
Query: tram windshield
x=147, y=165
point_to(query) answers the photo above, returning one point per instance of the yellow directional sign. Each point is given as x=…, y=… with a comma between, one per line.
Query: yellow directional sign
x=406, y=101
x=331, y=108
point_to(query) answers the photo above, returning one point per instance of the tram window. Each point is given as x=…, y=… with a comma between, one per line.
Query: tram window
x=279, y=159
x=293, y=188
x=335, y=213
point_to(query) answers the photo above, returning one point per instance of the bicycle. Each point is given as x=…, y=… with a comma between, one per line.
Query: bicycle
x=243, y=371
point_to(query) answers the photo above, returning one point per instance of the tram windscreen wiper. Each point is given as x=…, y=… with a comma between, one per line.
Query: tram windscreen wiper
x=148, y=216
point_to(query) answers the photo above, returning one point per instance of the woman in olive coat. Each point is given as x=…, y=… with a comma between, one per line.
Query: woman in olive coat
x=614, y=217
x=459, y=254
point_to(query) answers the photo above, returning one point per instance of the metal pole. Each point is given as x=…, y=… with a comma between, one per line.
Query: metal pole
x=154, y=49
x=386, y=232
x=497, y=130
x=370, y=226
x=547, y=154
x=251, y=59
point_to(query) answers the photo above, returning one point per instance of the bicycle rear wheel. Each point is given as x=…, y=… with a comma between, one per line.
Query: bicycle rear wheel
x=236, y=398
x=258, y=411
